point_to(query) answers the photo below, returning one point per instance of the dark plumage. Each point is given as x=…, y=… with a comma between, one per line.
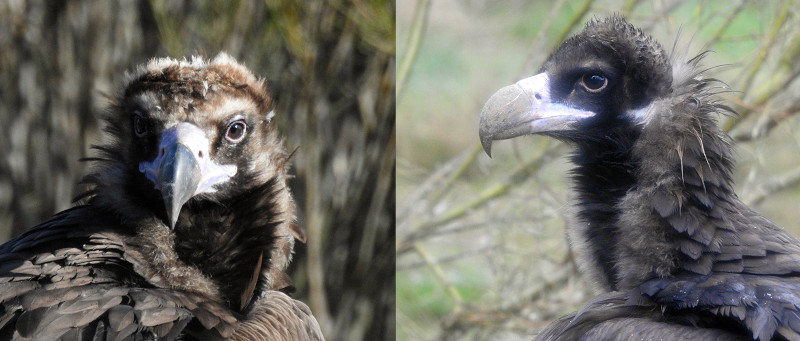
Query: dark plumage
x=658, y=227
x=186, y=228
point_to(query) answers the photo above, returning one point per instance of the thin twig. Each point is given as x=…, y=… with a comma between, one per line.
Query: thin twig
x=450, y=258
x=448, y=182
x=519, y=175
x=726, y=23
x=439, y=273
x=418, y=25
x=762, y=53
x=573, y=23
x=788, y=180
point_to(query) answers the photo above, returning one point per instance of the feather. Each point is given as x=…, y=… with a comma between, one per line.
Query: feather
x=247, y=295
x=298, y=232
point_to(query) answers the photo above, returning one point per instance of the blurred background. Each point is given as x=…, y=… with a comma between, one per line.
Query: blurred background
x=481, y=250
x=330, y=66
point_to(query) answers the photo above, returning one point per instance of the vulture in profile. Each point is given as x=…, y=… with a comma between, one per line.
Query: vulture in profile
x=658, y=225
x=185, y=229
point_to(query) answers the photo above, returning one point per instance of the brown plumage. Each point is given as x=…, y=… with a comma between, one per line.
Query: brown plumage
x=186, y=228
x=658, y=225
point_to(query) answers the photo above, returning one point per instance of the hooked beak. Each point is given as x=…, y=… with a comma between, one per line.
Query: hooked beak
x=183, y=168
x=525, y=108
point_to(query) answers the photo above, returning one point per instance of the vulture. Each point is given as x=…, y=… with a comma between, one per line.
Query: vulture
x=658, y=226
x=185, y=228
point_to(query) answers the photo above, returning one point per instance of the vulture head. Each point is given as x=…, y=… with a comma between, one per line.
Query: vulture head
x=192, y=161
x=594, y=83
x=190, y=130
x=639, y=120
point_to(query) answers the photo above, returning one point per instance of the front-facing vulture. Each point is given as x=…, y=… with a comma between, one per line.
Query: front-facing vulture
x=658, y=224
x=185, y=230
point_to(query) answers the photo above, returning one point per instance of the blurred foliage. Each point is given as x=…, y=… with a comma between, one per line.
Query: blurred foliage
x=330, y=66
x=481, y=251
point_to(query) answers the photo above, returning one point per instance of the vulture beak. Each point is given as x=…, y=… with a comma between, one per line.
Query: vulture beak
x=525, y=108
x=183, y=168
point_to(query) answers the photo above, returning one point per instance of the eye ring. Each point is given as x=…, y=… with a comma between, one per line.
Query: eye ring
x=236, y=131
x=593, y=82
x=140, y=126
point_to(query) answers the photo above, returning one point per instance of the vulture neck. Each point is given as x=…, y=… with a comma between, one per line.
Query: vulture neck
x=603, y=175
x=646, y=199
x=233, y=243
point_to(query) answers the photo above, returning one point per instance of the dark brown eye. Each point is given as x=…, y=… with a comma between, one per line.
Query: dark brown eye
x=139, y=125
x=594, y=82
x=236, y=131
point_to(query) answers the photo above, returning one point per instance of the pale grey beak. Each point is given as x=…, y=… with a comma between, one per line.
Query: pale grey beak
x=183, y=168
x=525, y=108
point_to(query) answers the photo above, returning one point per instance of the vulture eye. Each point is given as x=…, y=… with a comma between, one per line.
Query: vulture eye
x=236, y=131
x=593, y=82
x=139, y=125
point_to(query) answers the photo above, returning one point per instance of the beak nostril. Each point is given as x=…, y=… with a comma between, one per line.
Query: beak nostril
x=200, y=154
x=538, y=96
